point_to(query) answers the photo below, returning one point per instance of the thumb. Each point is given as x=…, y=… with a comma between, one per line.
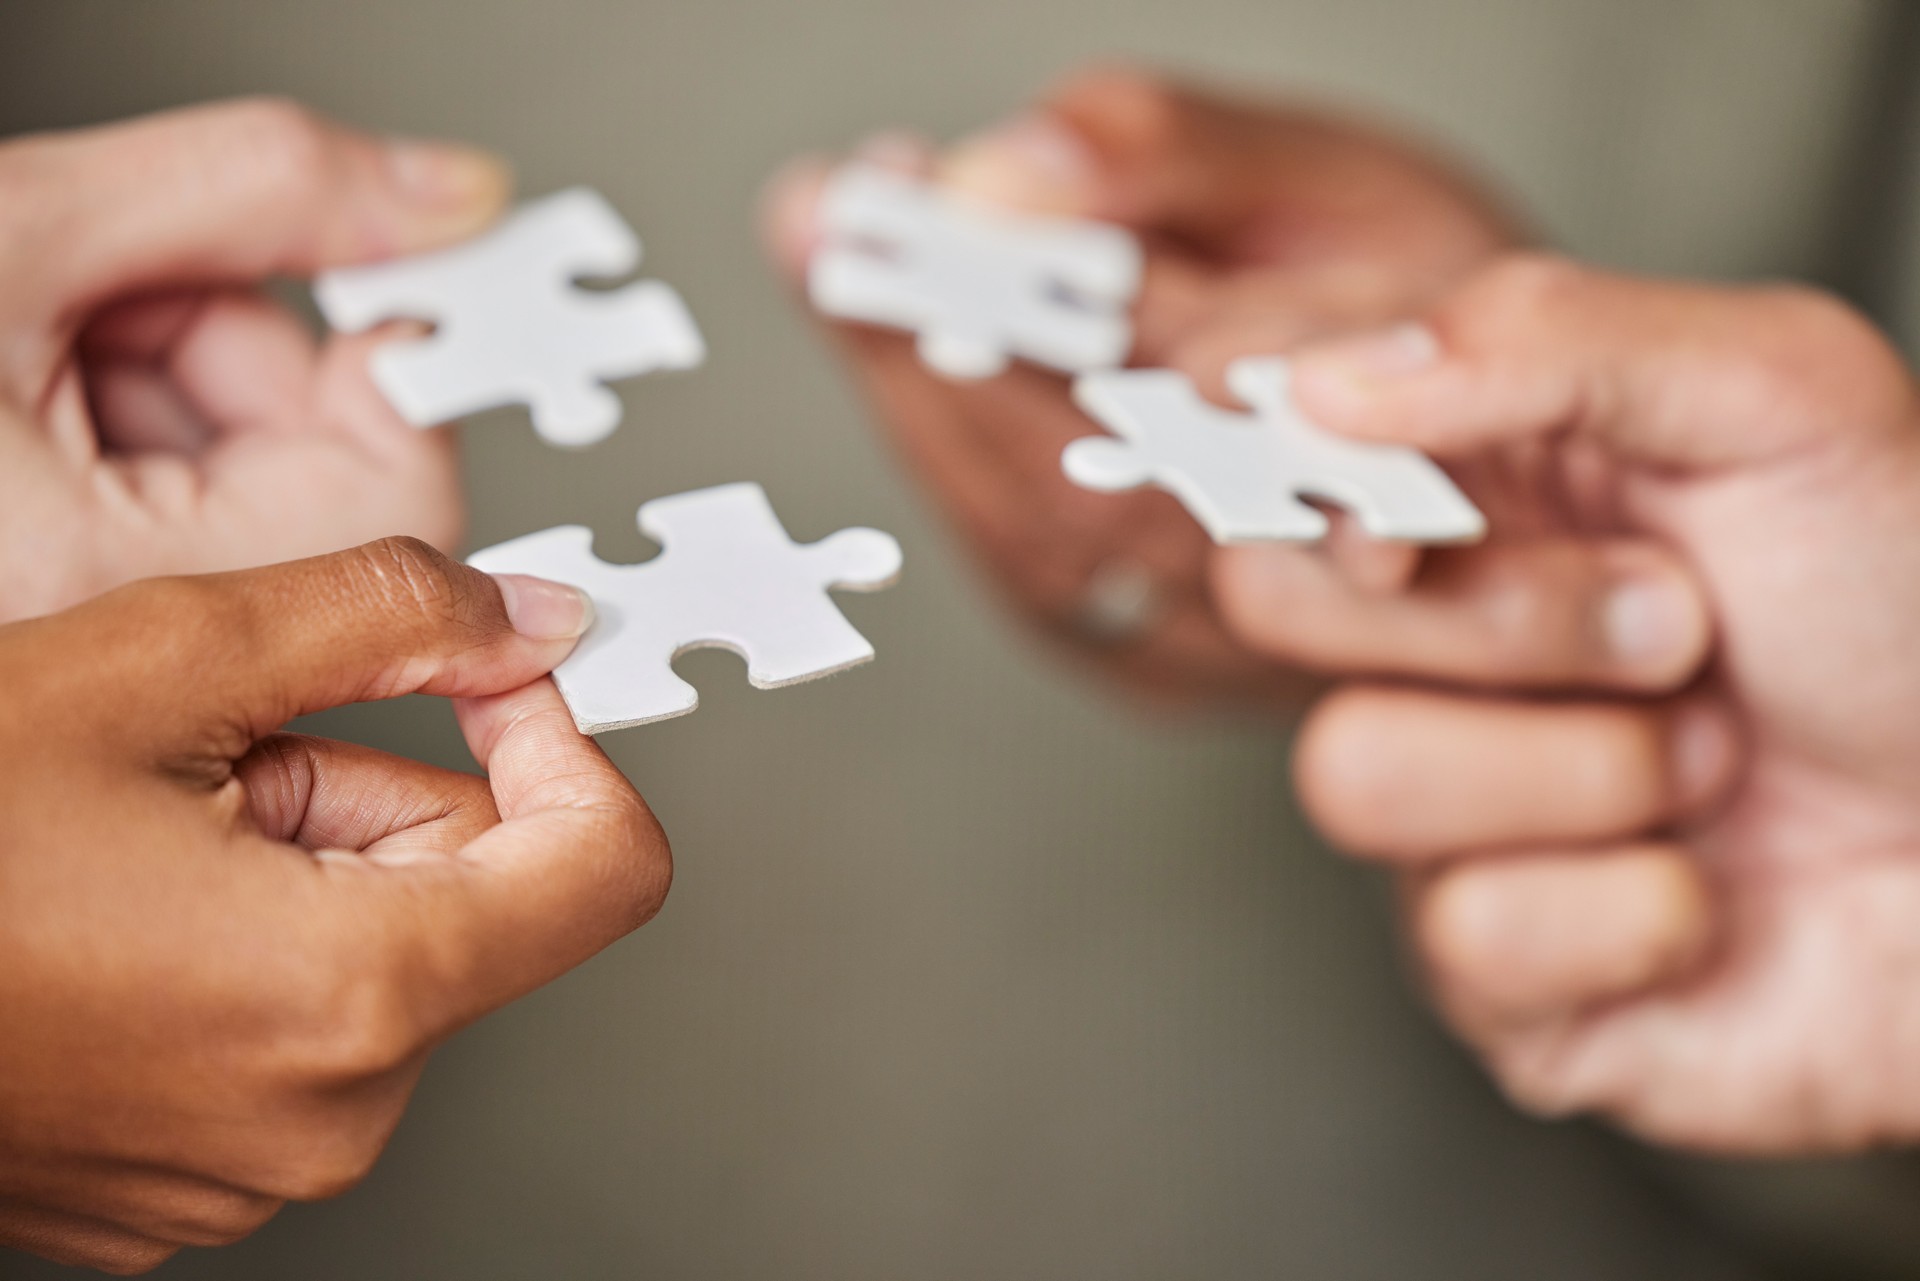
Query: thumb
x=1663, y=374
x=234, y=191
x=207, y=666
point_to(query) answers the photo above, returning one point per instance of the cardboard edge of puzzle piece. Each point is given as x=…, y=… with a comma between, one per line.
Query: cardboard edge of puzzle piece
x=876, y=222
x=540, y=250
x=1395, y=493
x=601, y=681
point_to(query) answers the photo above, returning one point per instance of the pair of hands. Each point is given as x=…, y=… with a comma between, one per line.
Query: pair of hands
x=1649, y=759
x=225, y=952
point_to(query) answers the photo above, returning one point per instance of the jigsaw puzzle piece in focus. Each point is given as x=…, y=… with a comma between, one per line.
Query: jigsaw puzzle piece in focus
x=728, y=577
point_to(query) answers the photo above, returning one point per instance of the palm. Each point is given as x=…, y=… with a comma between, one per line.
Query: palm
x=206, y=432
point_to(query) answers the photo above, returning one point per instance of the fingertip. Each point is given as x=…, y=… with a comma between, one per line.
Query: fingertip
x=486, y=720
x=449, y=191
x=1657, y=626
x=789, y=213
x=1343, y=784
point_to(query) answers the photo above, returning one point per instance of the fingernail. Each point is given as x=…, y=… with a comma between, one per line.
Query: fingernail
x=1033, y=163
x=1652, y=624
x=1380, y=356
x=1706, y=753
x=545, y=610
x=444, y=175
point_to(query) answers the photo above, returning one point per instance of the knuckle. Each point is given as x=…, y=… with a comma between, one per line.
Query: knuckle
x=29, y=172
x=1816, y=356
x=1516, y=290
x=412, y=576
x=280, y=143
x=358, y=1029
x=327, y=1168
x=1532, y=626
x=1620, y=769
x=1125, y=102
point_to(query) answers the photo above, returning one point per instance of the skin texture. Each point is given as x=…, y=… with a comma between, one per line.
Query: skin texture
x=1264, y=225
x=1694, y=913
x=158, y=414
x=225, y=951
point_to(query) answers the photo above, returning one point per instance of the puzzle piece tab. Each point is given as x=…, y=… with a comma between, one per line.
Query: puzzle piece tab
x=512, y=324
x=729, y=578
x=1243, y=475
x=978, y=285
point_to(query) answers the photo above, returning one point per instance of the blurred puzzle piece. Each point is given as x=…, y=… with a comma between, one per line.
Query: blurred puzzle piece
x=978, y=285
x=512, y=324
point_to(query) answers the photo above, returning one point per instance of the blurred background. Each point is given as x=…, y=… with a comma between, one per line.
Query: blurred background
x=969, y=971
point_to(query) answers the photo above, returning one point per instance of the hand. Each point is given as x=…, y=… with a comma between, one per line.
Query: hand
x=1263, y=225
x=225, y=953
x=157, y=414
x=1694, y=913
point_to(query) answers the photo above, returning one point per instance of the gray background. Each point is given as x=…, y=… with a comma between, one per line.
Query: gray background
x=969, y=972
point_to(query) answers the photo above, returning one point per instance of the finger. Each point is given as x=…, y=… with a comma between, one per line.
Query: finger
x=1554, y=613
x=1411, y=776
x=332, y=796
x=77, y=1241
x=226, y=362
x=790, y=204
x=577, y=862
x=160, y=1204
x=1541, y=937
x=1673, y=375
x=243, y=653
x=1242, y=181
x=236, y=191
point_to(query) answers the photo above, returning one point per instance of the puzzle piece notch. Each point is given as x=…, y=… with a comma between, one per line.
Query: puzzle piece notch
x=1243, y=476
x=977, y=285
x=512, y=324
x=727, y=577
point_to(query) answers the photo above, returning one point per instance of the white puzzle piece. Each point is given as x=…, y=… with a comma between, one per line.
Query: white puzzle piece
x=1243, y=475
x=729, y=578
x=978, y=285
x=512, y=324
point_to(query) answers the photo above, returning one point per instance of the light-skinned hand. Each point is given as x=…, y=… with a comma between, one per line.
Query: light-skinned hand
x=1264, y=225
x=225, y=951
x=1695, y=913
x=158, y=414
